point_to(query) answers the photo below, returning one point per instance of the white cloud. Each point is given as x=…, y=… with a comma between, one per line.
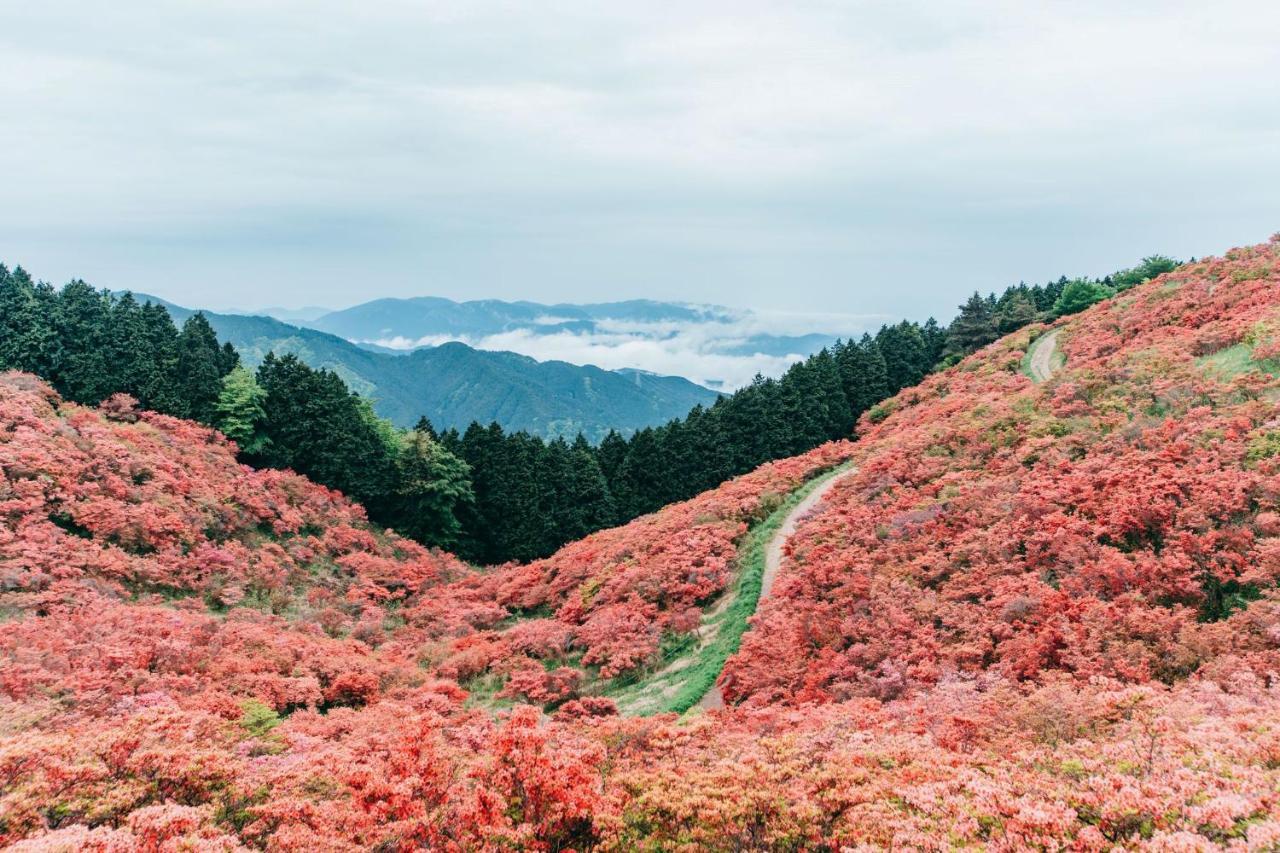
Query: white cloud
x=704, y=352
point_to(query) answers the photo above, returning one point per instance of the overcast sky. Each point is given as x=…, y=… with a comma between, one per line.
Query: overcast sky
x=868, y=158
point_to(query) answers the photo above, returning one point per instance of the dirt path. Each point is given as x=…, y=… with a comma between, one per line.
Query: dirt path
x=773, y=560
x=1043, y=350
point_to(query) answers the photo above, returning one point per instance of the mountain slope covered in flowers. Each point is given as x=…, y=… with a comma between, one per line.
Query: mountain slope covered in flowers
x=1116, y=520
x=1037, y=616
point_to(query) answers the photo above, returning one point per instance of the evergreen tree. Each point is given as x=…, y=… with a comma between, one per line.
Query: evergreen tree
x=973, y=328
x=906, y=357
x=589, y=499
x=640, y=488
x=803, y=412
x=1017, y=311
x=201, y=364
x=1049, y=295
x=28, y=339
x=573, y=494
x=612, y=450
x=81, y=319
x=424, y=426
x=319, y=428
x=128, y=349
x=935, y=341
x=160, y=386
x=834, y=414
x=708, y=445
x=863, y=374
x=479, y=448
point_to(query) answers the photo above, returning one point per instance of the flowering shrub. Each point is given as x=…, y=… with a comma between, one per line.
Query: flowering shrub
x=130, y=504
x=614, y=595
x=1117, y=520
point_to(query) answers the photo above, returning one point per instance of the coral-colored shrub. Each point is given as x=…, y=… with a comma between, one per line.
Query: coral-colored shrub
x=1098, y=524
x=614, y=595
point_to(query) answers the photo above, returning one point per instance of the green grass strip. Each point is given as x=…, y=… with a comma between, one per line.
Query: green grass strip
x=687, y=685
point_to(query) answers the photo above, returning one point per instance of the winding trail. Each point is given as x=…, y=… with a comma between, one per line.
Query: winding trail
x=714, y=697
x=1041, y=364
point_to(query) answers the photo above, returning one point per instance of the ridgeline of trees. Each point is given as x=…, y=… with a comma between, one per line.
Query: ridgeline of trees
x=492, y=496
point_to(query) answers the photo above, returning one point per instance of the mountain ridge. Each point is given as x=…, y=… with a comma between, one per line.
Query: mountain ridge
x=454, y=384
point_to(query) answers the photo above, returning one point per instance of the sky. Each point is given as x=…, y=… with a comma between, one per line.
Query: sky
x=861, y=158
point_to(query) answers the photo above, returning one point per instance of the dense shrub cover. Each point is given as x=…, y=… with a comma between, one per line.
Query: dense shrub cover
x=1037, y=617
x=608, y=601
x=1116, y=521
x=95, y=503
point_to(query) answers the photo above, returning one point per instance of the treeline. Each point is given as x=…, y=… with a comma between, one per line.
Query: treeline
x=491, y=495
x=91, y=345
x=526, y=506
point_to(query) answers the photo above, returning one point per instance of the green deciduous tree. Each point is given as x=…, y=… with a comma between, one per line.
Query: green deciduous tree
x=1150, y=267
x=240, y=412
x=1078, y=295
x=431, y=485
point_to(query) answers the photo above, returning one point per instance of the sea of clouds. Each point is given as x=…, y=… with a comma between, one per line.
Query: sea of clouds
x=722, y=353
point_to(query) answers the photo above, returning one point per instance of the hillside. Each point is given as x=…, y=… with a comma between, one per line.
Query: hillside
x=1029, y=613
x=454, y=384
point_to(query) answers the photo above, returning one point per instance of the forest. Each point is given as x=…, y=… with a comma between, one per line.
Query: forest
x=490, y=495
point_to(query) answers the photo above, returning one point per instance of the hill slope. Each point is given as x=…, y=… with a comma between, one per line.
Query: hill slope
x=1037, y=616
x=454, y=384
x=1112, y=521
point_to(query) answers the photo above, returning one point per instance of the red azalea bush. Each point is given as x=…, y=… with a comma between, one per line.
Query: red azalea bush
x=94, y=502
x=613, y=596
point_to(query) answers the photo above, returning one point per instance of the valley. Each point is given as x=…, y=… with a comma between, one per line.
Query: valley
x=489, y=427
x=1031, y=603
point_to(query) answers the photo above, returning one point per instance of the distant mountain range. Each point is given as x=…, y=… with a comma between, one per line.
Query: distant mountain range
x=409, y=320
x=709, y=344
x=405, y=324
x=454, y=384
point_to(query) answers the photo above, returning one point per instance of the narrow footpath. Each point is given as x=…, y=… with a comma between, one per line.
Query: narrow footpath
x=1042, y=363
x=714, y=698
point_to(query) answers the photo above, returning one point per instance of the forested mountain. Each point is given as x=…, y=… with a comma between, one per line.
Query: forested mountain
x=454, y=384
x=1032, y=613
